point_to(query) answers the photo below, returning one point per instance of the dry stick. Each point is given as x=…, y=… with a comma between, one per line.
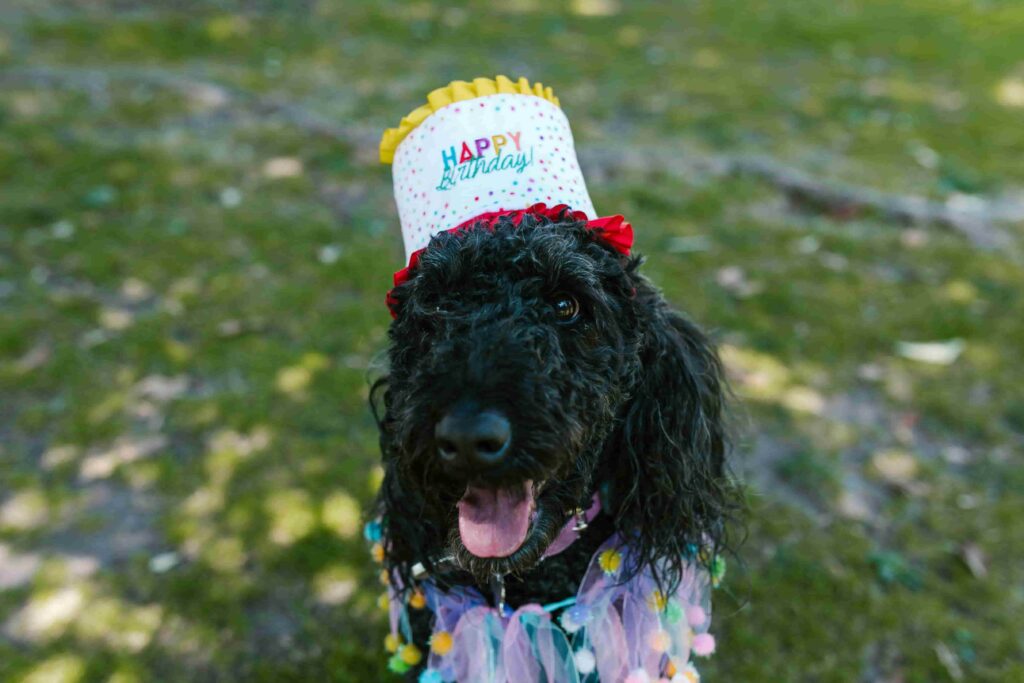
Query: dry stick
x=976, y=219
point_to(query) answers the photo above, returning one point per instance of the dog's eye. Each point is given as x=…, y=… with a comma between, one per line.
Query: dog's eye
x=567, y=308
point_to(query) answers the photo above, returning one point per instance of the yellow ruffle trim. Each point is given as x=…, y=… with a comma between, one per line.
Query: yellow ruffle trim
x=457, y=91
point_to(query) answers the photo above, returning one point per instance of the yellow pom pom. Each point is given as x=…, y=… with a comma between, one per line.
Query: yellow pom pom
x=392, y=642
x=660, y=641
x=670, y=669
x=383, y=602
x=410, y=654
x=417, y=600
x=441, y=643
x=609, y=561
x=377, y=552
x=657, y=601
x=385, y=579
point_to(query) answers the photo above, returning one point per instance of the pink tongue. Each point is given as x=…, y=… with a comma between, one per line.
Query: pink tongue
x=493, y=523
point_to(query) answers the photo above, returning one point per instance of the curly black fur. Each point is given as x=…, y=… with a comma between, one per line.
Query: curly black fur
x=628, y=400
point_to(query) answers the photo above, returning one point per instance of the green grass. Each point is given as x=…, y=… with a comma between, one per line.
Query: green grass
x=185, y=341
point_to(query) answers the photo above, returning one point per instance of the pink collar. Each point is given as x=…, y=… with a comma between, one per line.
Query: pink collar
x=571, y=531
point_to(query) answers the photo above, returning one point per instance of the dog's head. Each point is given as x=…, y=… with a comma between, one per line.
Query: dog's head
x=530, y=367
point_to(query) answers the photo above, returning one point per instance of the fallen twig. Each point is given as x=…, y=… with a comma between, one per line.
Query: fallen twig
x=974, y=217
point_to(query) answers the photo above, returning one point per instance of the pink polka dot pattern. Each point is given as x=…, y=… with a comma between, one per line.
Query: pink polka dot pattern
x=499, y=152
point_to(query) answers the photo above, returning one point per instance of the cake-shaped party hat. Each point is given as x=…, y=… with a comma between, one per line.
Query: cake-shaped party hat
x=487, y=148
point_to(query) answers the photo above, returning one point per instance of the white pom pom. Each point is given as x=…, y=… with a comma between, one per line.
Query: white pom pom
x=569, y=624
x=638, y=676
x=585, y=661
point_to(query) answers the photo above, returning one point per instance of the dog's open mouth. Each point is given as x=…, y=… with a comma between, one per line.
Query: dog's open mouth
x=495, y=522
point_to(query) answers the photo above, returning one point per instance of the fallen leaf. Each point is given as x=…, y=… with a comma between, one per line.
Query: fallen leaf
x=102, y=464
x=282, y=167
x=935, y=353
x=974, y=557
x=329, y=253
x=852, y=505
x=230, y=197
x=949, y=661
x=734, y=280
x=135, y=290
x=164, y=562
x=161, y=388
x=35, y=357
x=895, y=467
x=688, y=243
x=1010, y=92
x=595, y=8
x=116, y=319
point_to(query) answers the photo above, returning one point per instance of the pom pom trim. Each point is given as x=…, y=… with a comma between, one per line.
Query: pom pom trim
x=615, y=231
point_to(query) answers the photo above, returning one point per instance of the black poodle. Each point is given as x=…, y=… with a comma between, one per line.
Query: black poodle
x=533, y=368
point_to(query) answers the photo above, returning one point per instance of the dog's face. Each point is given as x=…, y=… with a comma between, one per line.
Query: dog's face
x=517, y=355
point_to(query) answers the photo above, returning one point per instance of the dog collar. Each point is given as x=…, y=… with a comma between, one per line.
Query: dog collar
x=571, y=531
x=480, y=150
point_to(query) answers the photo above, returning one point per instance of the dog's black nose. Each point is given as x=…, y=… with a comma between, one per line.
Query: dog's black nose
x=471, y=438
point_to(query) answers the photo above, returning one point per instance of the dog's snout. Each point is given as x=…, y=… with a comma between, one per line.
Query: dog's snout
x=473, y=438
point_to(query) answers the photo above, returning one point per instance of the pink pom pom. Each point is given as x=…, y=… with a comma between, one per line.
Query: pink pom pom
x=695, y=615
x=637, y=676
x=703, y=644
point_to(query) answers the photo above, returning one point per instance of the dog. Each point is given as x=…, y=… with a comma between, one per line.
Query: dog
x=535, y=376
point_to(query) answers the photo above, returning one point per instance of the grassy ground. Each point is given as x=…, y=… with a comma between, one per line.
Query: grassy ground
x=191, y=297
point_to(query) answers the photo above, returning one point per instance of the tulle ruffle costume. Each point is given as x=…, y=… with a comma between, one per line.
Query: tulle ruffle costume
x=611, y=630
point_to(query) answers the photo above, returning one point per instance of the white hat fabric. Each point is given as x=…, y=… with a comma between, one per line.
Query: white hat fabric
x=477, y=148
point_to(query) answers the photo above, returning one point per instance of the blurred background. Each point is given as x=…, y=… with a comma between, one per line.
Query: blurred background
x=196, y=239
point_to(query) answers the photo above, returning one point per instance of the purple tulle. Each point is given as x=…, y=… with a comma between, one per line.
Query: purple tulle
x=614, y=629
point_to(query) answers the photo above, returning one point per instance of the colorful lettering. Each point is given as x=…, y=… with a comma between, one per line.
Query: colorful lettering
x=499, y=142
x=449, y=157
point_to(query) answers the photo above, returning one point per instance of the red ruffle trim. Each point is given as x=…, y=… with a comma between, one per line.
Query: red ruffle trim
x=615, y=231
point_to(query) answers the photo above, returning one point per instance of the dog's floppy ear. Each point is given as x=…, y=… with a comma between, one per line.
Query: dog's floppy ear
x=665, y=463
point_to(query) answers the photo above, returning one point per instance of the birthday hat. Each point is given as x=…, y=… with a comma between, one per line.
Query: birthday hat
x=483, y=149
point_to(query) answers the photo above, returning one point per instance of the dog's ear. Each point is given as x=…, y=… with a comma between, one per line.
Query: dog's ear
x=405, y=534
x=665, y=463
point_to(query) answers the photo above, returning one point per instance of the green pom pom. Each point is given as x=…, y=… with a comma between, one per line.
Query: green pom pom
x=718, y=567
x=717, y=570
x=673, y=612
x=397, y=664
